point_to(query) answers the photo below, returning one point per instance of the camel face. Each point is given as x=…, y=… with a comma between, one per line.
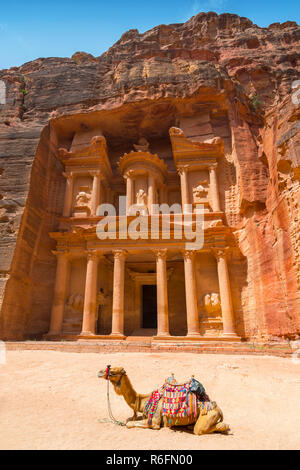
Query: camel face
x=115, y=373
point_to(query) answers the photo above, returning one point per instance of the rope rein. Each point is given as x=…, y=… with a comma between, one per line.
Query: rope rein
x=111, y=416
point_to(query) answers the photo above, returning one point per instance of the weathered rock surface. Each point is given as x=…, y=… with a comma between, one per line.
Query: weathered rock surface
x=213, y=75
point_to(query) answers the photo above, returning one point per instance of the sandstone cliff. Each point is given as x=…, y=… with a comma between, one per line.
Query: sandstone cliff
x=213, y=75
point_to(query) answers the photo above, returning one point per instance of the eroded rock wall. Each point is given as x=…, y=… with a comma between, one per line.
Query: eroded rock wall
x=214, y=75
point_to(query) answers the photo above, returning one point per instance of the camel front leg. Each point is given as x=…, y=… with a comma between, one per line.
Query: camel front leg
x=155, y=424
x=133, y=418
x=138, y=424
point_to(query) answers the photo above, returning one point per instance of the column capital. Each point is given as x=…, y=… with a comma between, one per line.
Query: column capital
x=96, y=173
x=92, y=254
x=182, y=169
x=189, y=254
x=68, y=175
x=213, y=167
x=220, y=252
x=120, y=254
x=61, y=253
x=128, y=175
x=160, y=253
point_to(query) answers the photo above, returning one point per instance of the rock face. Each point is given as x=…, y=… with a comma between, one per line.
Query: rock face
x=213, y=76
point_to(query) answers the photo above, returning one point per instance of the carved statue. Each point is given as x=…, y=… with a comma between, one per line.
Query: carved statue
x=212, y=303
x=142, y=145
x=200, y=191
x=101, y=302
x=141, y=198
x=83, y=199
x=101, y=298
x=75, y=302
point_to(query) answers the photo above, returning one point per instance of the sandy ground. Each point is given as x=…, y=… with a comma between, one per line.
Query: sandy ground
x=54, y=400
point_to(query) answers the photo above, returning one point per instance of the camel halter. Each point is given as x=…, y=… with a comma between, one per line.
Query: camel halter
x=112, y=418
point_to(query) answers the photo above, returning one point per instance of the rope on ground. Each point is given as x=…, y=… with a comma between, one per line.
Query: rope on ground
x=112, y=418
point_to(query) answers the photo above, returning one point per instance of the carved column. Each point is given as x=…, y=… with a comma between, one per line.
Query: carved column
x=151, y=193
x=118, y=293
x=191, y=293
x=60, y=290
x=162, y=194
x=90, y=295
x=162, y=293
x=95, y=201
x=129, y=192
x=68, y=195
x=185, y=195
x=225, y=292
x=214, y=188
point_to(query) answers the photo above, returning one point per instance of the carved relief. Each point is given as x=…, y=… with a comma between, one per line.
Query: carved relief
x=141, y=198
x=83, y=201
x=212, y=303
x=142, y=145
x=211, y=316
x=75, y=303
x=101, y=299
x=200, y=191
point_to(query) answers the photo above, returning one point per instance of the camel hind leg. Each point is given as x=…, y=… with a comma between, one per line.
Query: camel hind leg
x=211, y=422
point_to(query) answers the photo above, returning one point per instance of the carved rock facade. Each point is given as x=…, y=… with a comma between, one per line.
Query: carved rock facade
x=195, y=113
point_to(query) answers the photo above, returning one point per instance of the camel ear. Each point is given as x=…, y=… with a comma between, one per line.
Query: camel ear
x=123, y=371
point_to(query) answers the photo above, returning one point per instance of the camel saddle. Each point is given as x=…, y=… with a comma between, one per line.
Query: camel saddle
x=179, y=400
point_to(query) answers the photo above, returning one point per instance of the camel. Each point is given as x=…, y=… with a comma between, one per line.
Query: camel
x=204, y=423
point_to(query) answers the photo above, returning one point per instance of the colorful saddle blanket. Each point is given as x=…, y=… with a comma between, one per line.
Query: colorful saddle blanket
x=178, y=402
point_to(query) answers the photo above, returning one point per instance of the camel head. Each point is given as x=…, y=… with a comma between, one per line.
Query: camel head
x=113, y=374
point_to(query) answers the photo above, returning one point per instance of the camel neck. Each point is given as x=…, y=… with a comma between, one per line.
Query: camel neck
x=126, y=389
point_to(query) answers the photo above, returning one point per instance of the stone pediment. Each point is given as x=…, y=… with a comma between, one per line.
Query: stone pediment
x=185, y=149
x=88, y=156
x=97, y=147
x=132, y=159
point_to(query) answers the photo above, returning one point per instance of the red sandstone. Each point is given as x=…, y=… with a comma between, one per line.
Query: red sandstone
x=214, y=76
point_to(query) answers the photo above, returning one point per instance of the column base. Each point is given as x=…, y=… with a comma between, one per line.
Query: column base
x=119, y=336
x=230, y=337
x=162, y=335
x=86, y=333
x=52, y=336
x=194, y=335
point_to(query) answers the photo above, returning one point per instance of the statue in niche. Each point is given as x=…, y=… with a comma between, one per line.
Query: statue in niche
x=83, y=200
x=200, y=191
x=101, y=302
x=142, y=145
x=141, y=198
x=212, y=303
x=74, y=305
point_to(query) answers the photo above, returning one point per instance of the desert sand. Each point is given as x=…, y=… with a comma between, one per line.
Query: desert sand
x=54, y=400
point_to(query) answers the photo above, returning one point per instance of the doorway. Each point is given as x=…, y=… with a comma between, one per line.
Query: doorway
x=149, y=295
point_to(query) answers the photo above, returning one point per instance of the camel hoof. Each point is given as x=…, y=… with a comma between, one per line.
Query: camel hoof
x=130, y=424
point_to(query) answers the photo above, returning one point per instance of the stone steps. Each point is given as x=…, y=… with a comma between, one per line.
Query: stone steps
x=143, y=345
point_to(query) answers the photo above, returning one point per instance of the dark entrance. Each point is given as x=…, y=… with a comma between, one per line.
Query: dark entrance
x=149, y=307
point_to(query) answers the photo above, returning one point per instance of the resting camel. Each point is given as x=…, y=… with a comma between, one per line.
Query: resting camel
x=204, y=422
